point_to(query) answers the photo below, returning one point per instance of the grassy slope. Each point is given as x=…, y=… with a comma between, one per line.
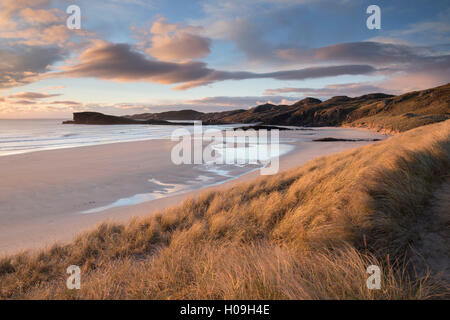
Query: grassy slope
x=404, y=112
x=375, y=111
x=306, y=233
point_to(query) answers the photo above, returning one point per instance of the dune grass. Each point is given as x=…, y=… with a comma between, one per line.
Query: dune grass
x=307, y=233
x=404, y=112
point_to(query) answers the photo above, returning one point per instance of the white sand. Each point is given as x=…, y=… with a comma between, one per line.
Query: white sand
x=43, y=194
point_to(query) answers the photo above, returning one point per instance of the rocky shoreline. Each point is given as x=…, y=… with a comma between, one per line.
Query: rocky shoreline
x=377, y=111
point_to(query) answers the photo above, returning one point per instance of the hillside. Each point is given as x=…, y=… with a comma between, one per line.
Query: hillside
x=404, y=112
x=307, y=233
x=169, y=115
x=375, y=111
x=97, y=118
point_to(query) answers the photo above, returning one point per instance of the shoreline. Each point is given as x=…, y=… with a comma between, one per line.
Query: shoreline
x=43, y=192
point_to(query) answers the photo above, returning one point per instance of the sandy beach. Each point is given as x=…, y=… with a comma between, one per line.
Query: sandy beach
x=51, y=196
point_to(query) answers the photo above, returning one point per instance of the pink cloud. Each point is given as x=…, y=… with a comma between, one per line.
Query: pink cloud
x=121, y=62
x=175, y=42
x=32, y=95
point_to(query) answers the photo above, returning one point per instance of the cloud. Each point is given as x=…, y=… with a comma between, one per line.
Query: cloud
x=122, y=63
x=206, y=104
x=246, y=35
x=52, y=88
x=300, y=74
x=176, y=42
x=24, y=64
x=33, y=105
x=40, y=16
x=33, y=37
x=245, y=24
x=348, y=89
x=32, y=95
x=428, y=31
x=236, y=102
x=420, y=77
x=318, y=72
x=258, y=28
x=67, y=102
x=415, y=78
x=378, y=53
x=23, y=102
x=36, y=23
x=8, y=8
x=399, y=62
x=33, y=23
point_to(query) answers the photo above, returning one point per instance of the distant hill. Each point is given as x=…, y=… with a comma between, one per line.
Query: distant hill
x=169, y=115
x=306, y=233
x=97, y=118
x=403, y=112
x=377, y=111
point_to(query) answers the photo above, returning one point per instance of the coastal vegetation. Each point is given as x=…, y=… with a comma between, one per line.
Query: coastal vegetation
x=306, y=233
x=377, y=111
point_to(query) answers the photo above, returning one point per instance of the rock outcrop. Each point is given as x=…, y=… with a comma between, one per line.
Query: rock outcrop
x=169, y=115
x=97, y=118
x=378, y=111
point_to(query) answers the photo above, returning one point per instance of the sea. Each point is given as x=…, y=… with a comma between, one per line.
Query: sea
x=29, y=135
x=24, y=136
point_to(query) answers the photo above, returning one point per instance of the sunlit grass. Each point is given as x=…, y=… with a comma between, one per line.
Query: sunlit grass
x=308, y=233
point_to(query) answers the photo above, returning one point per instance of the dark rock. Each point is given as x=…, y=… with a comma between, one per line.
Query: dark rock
x=370, y=110
x=97, y=118
x=263, y=127
x=169, y=115
x=328, y=139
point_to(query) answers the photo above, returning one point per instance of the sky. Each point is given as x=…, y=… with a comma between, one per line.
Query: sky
x=136, y=56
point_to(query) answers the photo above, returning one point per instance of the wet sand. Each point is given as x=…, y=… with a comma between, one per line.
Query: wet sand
x=51, y=196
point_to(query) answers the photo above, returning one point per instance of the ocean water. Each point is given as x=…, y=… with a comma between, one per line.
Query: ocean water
x=21, y=136
x=248, y=154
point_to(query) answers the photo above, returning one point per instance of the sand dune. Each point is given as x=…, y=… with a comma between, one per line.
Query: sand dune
x=306, y=233
x=43, y=194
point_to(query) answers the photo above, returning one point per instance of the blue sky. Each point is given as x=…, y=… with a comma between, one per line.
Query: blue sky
x=134, y=56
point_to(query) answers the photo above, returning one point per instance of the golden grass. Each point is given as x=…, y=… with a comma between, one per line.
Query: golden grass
x=308, y=233
x=241, y=271
x=397, y=123
x=404, y=112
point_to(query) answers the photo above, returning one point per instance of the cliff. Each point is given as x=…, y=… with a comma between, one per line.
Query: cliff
x=169, y=115
x=97, y=118
x=377, y=111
